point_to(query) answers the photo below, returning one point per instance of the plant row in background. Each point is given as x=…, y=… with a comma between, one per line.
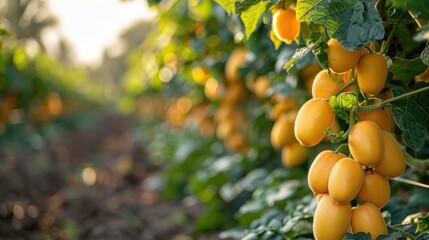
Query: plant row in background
x=292, y=119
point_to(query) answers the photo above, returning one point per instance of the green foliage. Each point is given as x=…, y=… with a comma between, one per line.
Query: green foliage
x=342, y=104
x=417, y=6
x=354, y=22
x=251, y=17
x=412, y=116
x=406, y=69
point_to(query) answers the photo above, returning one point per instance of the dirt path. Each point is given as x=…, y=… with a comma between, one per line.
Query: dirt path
x=93, y=183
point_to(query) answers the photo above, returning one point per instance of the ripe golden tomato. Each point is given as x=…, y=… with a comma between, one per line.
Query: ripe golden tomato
x=313, y=117
x=234, y=93
x=381, y=117
x=261, y=86
x=340, y=59
x=345, y=180
x=294, y=155
x=235, y=61
x=371, y=72
x=375, y=189
x=282, y=132
x=285, y=26
x=319, y=171
x=393, y=162
x=367, y=218
x=366, y=143
x=236, y=141
x=324, y=86
x=283, y=105
x=331, y=220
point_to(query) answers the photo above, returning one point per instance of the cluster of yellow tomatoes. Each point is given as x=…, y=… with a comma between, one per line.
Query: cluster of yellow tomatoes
x=375, y=155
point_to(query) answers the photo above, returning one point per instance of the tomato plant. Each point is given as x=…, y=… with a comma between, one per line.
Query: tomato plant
x=250, y=64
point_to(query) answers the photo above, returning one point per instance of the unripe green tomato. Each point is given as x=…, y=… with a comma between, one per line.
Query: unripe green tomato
x=393, y=161
x=375, y=189
x=366, y=143
x=282, y=132
x=367, y=218
x=331, y=220
x=319, y=171
x=313, y=117
x=340, y=59
x=294, y=155
x=345, y=180
x=371, y=72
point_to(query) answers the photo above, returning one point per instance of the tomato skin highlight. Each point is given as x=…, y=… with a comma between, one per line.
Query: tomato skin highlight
x=285, y=26
x=320, y=168
x=367, y=218
x=366, y=143
x=331, y=220
x=345, y=180
x=371, y=72
x=313, y=117
x=375, y=189
x=393, y=162
x=340, y=59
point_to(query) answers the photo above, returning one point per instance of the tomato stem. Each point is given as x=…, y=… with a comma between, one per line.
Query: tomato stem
x=418, y=164
x=341, y=147
x=387, y=101
x=386, y=44
x=346, y=85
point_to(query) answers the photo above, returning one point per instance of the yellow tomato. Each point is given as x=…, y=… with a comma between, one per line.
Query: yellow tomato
x=381, y=117
x=331, y=220
x=324, y=86
x=319, y=171
x=371, y=72
x=375, y=189
x=393, y=161
x=235, y=61
x=345, y=180
x=285, y=26
x=340, y=59
x=282, y=131
x=294, y=155
x=283, y=105
x=236, y=141
x=367, y=218
x=261, y=86
x=366, y=143
x=313, y=117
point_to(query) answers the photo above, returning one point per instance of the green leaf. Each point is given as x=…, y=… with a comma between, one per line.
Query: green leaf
x=316, y=45
x=406, y=69
x=353, y=22
x=228, y=5
x=243, y=5
x=412, y=116
x=424, y=56
x=358, y=236
x=423, y=224
x=417, y=6
x=251, y=16
x=342, y=103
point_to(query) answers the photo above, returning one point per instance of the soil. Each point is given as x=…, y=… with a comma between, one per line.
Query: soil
x=96, y=182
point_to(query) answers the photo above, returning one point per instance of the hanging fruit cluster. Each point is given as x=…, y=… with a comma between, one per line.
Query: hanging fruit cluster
x=375, y=155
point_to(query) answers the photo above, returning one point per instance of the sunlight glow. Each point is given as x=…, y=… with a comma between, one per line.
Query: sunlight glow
x=92, y=25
